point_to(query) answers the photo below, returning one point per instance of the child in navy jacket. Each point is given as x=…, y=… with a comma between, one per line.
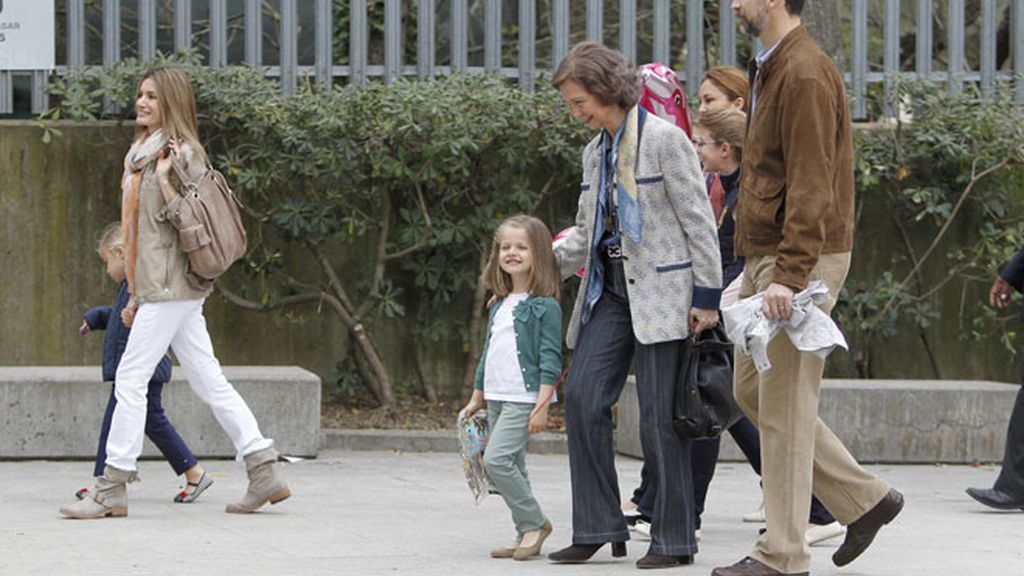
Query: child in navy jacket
x=158, y=428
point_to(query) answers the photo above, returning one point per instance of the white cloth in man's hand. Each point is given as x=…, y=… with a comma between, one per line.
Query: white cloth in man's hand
x=808, y=327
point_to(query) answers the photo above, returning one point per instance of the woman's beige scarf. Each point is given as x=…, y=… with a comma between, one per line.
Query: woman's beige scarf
x=141, y=154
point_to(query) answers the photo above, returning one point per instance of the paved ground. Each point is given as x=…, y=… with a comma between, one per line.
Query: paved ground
x=390, y=513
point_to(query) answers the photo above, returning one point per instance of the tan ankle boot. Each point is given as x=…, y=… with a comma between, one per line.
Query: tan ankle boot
x=264, y=483
x=109, y=498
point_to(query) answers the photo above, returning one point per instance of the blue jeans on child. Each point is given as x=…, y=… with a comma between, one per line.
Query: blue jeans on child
x=158, y=429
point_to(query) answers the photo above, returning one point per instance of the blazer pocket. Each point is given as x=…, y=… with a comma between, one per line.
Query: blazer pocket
x=662, y=268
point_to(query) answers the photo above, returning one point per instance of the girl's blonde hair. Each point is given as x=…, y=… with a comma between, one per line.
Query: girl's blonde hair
x=725, y=125
x=177, y=104
x=110, y=238
x=545, y=279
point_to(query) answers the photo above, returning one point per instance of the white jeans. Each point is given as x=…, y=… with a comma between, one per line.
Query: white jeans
x=180, y=325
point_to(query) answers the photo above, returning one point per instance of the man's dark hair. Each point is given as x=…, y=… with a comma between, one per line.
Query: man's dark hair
x=795, y=7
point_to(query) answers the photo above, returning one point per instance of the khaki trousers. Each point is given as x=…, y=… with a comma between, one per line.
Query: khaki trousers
x=798, y=451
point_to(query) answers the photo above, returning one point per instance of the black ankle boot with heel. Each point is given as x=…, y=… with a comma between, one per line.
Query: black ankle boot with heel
x=580, y=553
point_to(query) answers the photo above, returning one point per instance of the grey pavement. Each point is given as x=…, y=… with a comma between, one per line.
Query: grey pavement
x=411, y=513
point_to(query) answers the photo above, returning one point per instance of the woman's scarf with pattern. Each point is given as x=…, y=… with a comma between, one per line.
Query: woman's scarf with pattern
x=141, y=154
x=630, y=219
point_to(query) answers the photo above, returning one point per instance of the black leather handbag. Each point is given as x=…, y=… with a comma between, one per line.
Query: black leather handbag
x=704, y=405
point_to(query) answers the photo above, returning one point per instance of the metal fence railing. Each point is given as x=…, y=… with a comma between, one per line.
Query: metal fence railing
x=442, y=29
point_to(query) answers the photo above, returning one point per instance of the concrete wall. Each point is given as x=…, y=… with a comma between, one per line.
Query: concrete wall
x=56, y=412
x=908, y=421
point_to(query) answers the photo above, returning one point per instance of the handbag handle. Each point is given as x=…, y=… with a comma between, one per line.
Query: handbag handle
x=712, y=340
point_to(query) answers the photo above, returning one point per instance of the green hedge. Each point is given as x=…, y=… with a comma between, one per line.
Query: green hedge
x=379, y=202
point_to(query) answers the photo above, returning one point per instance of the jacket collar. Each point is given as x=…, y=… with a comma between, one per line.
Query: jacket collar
x=795, y=38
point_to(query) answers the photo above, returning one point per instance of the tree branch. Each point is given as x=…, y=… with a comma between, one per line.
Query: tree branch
x=429, y=229
x=975, y=178
x=332, y=277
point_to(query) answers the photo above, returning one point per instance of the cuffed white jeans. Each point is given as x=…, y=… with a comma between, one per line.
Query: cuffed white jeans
x=180, y=326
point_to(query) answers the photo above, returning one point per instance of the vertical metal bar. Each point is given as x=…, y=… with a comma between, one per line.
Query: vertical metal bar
x=527, y=43
x=627, y=28
x=860, y=57
x=6, y=92
x=218, y=33
x=425, y=40
x=560, y=32
x=392, y=40
x=595, y=20
x=695, y=45
x=324, y=26
x=111, y=31
x=726, y=34
x=182, y=24
x=955, y=41
x=891, y=57
x=924, y=38
x=147, y=29
x=492, y=35
x=76, y=33
x=254, y=32
x=111, y=42
x=988, y=47
x=289, y=46
x=40, y=102
x=662, y=32
x=358, y=39
x=1018, y=50
x=460, y=43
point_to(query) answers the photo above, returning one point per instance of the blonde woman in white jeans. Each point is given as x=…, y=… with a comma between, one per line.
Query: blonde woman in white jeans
x=166, y=309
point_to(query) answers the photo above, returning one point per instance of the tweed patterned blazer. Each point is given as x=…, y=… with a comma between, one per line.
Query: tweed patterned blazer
x=676, y=265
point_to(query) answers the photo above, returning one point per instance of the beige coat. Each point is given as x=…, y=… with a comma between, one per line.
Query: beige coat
x=161, y=265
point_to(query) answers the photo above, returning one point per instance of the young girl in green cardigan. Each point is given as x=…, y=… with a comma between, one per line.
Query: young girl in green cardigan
x=518, y=370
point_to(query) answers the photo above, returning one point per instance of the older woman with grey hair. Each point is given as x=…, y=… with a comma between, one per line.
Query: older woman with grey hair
x=646, y=237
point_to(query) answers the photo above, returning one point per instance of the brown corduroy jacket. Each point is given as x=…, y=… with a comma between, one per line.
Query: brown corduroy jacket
x=797, y=187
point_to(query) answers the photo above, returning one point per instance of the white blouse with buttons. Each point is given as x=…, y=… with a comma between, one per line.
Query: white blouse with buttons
x=503, y=375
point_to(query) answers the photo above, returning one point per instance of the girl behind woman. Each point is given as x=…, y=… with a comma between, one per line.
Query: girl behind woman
x=724, y=87
x=165, y=310
x=518, y=369
x=158, y=428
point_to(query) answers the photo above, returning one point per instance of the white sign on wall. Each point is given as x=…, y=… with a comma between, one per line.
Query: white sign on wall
x=27, y=35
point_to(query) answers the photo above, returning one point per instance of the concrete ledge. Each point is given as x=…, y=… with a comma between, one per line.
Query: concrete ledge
x=56, y=412
x=904, y=421
x=423, y=441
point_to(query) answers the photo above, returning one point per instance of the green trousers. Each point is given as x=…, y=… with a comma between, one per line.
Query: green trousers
x=505, y=461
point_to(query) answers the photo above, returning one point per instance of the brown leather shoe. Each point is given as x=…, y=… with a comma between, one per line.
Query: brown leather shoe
x=655, y=561
x=750, y=567
x=859, y=534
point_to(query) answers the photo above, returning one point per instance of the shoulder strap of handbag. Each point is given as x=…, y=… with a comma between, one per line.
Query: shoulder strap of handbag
x=187, y=183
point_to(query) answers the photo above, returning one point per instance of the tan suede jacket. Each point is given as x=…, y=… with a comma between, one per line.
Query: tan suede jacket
x=797, y=187
x=161, y=266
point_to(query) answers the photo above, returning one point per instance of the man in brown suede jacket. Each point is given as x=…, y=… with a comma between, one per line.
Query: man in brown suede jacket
x=794, y=225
